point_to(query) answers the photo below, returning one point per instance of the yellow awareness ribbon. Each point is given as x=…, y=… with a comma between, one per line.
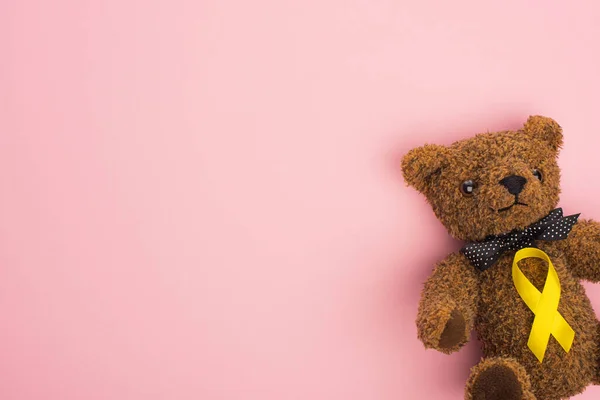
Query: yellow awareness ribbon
x=544, y=305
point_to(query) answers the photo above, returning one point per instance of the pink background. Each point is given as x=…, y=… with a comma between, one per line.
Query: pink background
x=203, y=200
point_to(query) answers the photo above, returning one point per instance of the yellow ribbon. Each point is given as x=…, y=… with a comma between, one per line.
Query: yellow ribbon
x=544, y=305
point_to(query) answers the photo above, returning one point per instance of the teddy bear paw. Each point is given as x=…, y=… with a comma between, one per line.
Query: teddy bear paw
x=454, y=332
x=498, y=382
x=499, y=379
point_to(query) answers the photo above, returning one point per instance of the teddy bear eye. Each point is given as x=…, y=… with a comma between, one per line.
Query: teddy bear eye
x=468, y=187
x=537, y=173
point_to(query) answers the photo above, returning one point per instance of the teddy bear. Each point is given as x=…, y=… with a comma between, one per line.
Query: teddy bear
x=517, y=280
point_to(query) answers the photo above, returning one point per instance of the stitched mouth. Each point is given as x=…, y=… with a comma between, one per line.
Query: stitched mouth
x=516, y=203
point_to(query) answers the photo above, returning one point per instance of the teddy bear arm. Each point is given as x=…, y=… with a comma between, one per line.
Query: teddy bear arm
x=448, y=305
x=582, y=250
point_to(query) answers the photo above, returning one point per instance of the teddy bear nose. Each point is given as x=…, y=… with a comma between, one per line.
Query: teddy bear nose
x=514, y=183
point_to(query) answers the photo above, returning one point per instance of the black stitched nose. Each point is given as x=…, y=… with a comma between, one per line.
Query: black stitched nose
x=514, y=183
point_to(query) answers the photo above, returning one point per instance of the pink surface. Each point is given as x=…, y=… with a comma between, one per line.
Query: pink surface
x=202, y=199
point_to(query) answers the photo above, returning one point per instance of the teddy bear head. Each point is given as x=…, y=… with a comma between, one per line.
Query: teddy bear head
x=492, y=183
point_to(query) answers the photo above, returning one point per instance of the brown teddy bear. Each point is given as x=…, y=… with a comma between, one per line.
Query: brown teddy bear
x=517, y=281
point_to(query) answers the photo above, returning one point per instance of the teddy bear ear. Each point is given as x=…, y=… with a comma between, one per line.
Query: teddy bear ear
x=421, y=163
x=546, y=129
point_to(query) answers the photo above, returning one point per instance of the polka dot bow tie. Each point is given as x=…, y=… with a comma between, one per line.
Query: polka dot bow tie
x=552, y=227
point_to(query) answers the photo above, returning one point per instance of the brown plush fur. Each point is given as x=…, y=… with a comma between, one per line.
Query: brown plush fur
x=457, y=298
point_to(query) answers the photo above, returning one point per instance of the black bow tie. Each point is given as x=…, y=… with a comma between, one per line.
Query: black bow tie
x=552, y=227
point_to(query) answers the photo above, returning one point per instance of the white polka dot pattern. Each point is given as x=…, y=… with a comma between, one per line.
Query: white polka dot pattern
x=552, y=227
